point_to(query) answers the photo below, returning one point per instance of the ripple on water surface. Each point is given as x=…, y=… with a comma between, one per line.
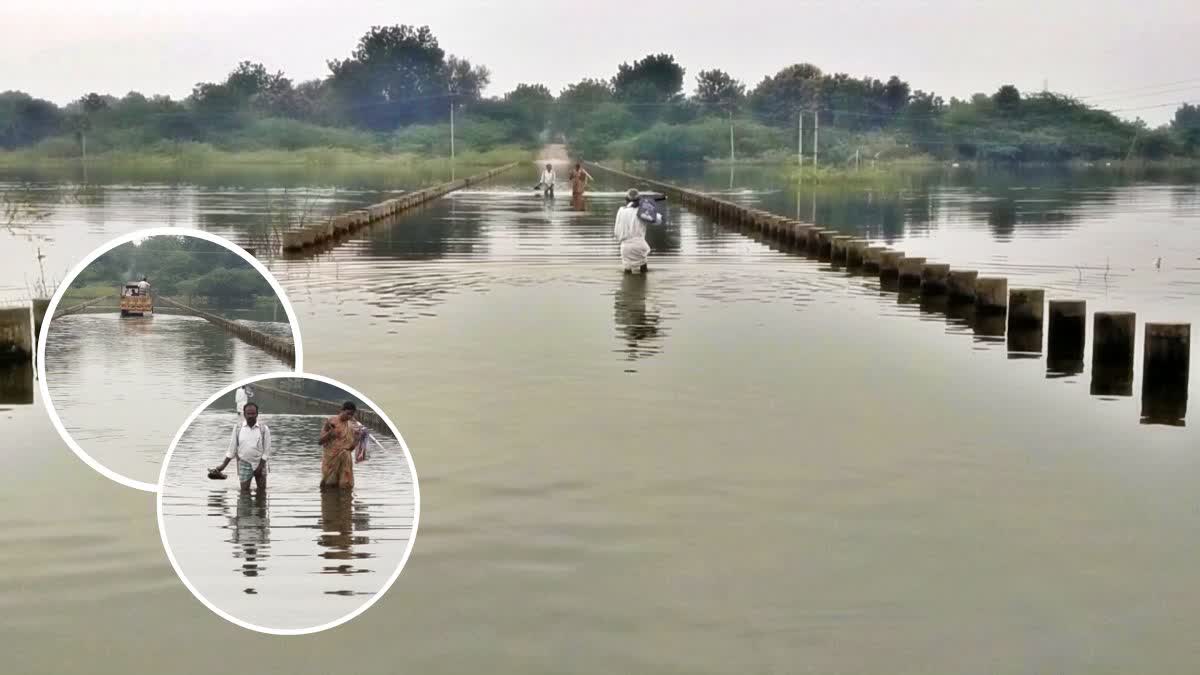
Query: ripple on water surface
x=122, y=387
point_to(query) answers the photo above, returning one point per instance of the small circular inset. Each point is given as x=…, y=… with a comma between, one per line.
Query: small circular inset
x=144, y=328
x=288, y=503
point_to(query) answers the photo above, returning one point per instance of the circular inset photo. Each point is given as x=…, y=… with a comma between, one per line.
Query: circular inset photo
x=142, y=330
x=288, y=504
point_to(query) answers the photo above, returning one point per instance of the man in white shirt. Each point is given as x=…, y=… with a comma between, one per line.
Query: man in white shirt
x=548, y=179
x=251, y=445
x=630, y=233
x=144, y=285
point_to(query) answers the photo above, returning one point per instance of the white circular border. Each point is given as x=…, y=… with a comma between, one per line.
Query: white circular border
x=91, y=257
x=412, y=470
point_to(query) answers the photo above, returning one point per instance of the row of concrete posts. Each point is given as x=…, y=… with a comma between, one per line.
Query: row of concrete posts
x=1165, y=349
x=337, y=226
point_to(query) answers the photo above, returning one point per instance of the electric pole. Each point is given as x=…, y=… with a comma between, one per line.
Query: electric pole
x=800, y=140
x=816, y=135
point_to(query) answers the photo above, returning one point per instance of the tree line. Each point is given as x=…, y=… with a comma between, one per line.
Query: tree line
x=180, y=266
x=394, y=93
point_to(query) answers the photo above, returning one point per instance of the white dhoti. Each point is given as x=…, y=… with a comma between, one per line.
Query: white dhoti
x=634, y=253
x=631, y=234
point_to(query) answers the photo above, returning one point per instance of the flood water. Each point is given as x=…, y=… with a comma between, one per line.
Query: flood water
x=123, y=387
x=294, y=557
x=743, y=461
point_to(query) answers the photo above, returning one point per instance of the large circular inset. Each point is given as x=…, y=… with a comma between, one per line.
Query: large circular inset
x=144, y=328
x=316, y=538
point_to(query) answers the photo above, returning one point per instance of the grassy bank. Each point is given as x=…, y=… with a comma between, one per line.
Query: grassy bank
x=190, y=156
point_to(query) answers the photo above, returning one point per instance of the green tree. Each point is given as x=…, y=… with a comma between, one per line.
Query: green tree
x=464, y=80
x=718, y=88
x=577, y=100
x=396, y=75
x=532, y=104
x=653, y=79
x=1007, y=99
x=778, y=97
x=1186, y=127
x=25, y=120
x=895, y=94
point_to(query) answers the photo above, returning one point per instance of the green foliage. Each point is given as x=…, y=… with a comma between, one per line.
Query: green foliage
x=600, y=127
x=231, y=287
x=1186, y=127
x=577, y=101
x=652, y=79
x=531, y=105
x=395, y=91
x=706, y=138
x=1007, y=99
x=179, y=266
x=400, y=75
x=286, y=134
x=778, y=98
x=25, y=120
x=718, y=88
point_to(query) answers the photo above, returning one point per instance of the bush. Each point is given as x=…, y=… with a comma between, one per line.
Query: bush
x=600, y=127
x=470, y=135
x=284, y=134
x=704, y=139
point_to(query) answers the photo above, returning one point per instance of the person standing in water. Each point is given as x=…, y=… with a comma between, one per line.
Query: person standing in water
x=251, y=446
x=241, y=398
x=547, y=182
x=338, y=440
x=579, y=180
x=630, y=233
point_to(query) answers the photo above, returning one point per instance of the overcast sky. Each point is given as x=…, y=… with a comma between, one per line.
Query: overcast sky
x=1124, y=54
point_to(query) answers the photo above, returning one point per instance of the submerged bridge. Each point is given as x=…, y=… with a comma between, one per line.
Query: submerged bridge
x=276, y=399
x=1019, y=314
x=280, y=347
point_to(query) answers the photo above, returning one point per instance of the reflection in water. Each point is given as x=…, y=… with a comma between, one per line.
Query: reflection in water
x=303, y=548
x=638, y=326
x=579, y=526
x=249, y=530
x=1164, y=404
x=16, y=383
x=109, y=375
x=1002, y=218
x=1024, y=342
x=338, y=525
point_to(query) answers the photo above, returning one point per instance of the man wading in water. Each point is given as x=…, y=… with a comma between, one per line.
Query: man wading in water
x=251, y=445
x=546, y=184
x=339, y=438
x=630, y=233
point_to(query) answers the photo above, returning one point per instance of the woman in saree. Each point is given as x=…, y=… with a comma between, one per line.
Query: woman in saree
x=338, y=439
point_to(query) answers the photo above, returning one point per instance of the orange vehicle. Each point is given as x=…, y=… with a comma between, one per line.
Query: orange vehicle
x=136, y=300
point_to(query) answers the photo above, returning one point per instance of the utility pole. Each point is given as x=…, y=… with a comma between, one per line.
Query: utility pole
x=452, y=138
x=731, y=135
x=800, y=140
x=816, y=135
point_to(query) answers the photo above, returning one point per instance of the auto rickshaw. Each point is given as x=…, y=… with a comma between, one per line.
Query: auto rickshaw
x=135, y=300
